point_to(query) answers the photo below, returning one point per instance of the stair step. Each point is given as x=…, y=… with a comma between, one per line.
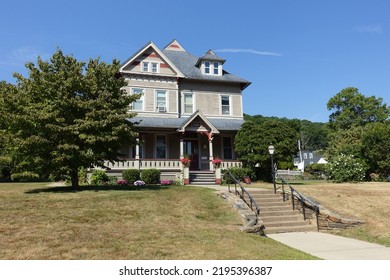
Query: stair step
x=269, y=230
x=278, y=218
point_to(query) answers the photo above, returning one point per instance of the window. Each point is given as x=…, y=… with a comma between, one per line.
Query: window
x=227, y=148
x=188, y=102
x=305, y=156
x=161, y=147
x=216, y=68
x=138, y=104
x=145, y=66
x=161, y=100
x=154, y=67
x=225, y=105
x=311, y=155
x=207, y=67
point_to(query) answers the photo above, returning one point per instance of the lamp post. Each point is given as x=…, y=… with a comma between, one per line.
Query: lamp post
x=271, y=150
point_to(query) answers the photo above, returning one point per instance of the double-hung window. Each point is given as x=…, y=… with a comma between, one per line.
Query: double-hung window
x=145, y=66
x=161, y=100
x=225, y=105
x=207, y=67
x=154, y=67
x=188, y=103
x=138, y=105
x=216, y=68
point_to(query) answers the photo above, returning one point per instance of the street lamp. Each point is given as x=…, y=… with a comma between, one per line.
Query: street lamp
x=271, y=150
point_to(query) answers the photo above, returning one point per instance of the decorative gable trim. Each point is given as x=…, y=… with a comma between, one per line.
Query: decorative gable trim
x=203, y=125
x=156, y=53
x=174, y=46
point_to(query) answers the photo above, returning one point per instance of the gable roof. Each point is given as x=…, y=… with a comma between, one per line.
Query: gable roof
x=130, y=60
x=210, y=56
x=193, y=117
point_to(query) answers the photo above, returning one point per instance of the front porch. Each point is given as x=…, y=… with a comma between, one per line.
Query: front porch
x=171, y=169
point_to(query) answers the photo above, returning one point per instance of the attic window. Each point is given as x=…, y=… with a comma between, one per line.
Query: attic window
x=153, y=67
x=212, y=68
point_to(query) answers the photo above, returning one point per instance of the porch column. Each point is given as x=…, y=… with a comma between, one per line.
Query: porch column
x=211, y=154
x=181, y=147
x=137, y=164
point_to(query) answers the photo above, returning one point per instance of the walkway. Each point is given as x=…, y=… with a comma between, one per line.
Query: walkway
x=331, y=247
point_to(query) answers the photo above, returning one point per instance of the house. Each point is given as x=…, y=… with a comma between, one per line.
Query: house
x=306, y=157
x=189, y=107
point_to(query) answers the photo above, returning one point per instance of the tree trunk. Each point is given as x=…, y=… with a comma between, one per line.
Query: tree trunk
x=74, y=175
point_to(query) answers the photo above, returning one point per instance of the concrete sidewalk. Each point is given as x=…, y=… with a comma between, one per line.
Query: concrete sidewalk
x=331, y=247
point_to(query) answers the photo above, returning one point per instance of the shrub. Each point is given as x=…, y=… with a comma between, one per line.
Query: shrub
x=99, y=177
x=131, y=175
x=346, y=168
x=151, y=176
x=5, y=168
x=25, y=176
x=166, y=182
x=239, y=173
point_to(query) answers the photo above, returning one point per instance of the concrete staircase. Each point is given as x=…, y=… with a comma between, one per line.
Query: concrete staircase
x=202, y=178
x=277, y=215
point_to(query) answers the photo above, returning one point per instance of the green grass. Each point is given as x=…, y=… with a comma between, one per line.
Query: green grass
x=41, y=222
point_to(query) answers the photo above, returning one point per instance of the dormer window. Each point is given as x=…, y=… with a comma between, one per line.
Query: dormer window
x=212, y=68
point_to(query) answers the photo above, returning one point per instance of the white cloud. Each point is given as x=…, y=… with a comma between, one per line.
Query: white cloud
x=252, y=51
x=371, y=28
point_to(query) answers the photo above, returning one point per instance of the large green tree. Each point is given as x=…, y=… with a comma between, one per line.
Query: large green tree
x=65, y=115
x=351, y=108
x=253, y=139
x=376, y=148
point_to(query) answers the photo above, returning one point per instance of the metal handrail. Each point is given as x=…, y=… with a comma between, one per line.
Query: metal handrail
x=252, y=203
x=305, y=203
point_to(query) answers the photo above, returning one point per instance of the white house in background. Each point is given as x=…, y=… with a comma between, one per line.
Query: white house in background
x=189, y=106
x=306, y=157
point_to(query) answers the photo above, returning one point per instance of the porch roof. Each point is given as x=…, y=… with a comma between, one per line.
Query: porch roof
x=158, y=122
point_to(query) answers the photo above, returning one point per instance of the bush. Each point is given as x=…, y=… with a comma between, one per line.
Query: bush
x=316, y=170
x=151, y=176
x=99, y=177
x=25, y=176
x=239, y=173
x=131, y=175
x=346, y=168
x=5, y=168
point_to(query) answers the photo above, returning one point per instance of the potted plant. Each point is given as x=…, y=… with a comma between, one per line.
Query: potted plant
x=216, y=162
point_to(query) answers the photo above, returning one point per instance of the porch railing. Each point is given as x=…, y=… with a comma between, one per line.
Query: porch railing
x=225, y=164
x=173, y=164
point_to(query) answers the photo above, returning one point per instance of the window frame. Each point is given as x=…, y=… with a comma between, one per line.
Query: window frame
x=141, y=99
x=184, y=102
x=231, y=151
x=156, y=99
x=222, y=105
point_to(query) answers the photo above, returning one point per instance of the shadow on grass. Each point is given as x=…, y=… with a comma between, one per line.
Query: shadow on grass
x=66, y=189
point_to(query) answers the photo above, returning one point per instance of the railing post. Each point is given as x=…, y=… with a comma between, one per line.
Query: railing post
x=292, y=199
x=317, y=213
x=284, y=198
x=303, y=209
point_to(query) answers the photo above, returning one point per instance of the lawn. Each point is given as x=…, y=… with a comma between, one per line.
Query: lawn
x=42, y=222
x=367, y=201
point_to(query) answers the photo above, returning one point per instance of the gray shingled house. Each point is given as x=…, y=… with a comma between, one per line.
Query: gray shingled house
x=189, y=107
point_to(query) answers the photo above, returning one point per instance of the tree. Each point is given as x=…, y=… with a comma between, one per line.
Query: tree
x=352, y=108
x=252, y=141
x=66, y=115
x=314, y=135
x=376, y=148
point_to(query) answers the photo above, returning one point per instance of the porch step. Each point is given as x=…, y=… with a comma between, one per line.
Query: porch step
x=202, y=178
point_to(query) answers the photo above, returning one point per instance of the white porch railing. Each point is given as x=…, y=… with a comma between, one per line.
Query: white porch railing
x=225, y=164
x=173, y=164
x=168, y=164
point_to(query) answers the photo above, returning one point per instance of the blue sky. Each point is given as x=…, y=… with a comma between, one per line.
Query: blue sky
x=297, y=54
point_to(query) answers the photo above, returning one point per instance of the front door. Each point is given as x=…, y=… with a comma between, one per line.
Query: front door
x=191, y=149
